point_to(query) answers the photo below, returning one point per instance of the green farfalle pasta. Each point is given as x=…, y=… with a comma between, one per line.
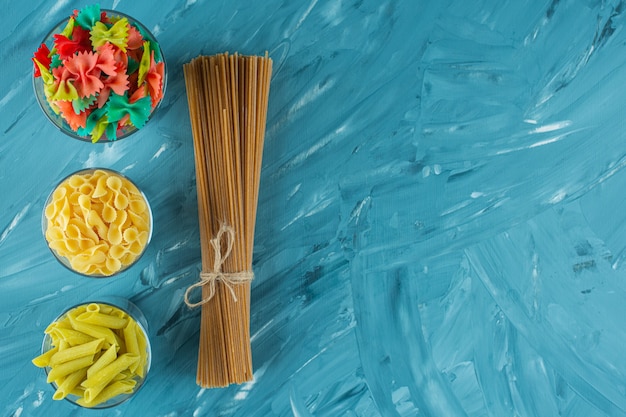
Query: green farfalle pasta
x=118, y=106
x=88, y=16
x=82, y=103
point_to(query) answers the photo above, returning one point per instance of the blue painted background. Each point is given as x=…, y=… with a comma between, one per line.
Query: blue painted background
x=441, y=222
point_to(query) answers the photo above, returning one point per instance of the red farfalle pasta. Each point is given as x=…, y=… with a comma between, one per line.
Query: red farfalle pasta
x=78, y=43
x=42, y=55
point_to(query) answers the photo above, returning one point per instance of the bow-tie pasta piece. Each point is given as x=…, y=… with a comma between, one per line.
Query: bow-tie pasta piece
x=99, y=75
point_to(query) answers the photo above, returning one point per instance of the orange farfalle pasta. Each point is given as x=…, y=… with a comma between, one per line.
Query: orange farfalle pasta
x=135, y=40
x=106, y=61
x=75, y=121
x=154, y=80
x=85, y=72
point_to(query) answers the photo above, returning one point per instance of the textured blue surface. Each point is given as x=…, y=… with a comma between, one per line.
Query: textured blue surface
x=441, y=222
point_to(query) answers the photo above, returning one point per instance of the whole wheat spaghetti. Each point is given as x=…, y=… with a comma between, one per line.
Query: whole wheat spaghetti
x=227, y=97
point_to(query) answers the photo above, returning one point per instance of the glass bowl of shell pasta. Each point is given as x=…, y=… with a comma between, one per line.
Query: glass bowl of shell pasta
x=96, y=354
x=97, y=222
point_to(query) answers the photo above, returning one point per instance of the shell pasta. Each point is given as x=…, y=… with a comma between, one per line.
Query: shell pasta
x=98, y=222
x=99, y=368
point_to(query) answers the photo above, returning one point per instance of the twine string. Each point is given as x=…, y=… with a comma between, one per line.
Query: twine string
x=210, y=278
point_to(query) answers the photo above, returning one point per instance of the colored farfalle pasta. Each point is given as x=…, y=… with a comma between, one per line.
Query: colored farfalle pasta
x=103, y=73
x=97, y=222
x=96, y=352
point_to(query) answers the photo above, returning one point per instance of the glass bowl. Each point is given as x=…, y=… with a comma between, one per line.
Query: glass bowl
x=97, y=222
x=93, y=127
x=107, y=370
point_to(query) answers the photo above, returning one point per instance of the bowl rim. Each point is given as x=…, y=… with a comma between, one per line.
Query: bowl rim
x=61, y=259
x=41, y=100
x=137, y=315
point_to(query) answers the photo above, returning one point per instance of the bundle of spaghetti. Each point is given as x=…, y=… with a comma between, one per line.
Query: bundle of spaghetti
x=228, y=97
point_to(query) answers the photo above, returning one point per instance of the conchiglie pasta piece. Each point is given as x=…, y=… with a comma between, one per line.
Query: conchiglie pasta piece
x=100, y=188
x=85, y=231
x=116, y=251
x=114, y=234
x=64, y=214
x=54, y=233
x=75, y=181
x=109, y=214
x=138, y=205
x=142, y=238
x=139, y=220
x=131, y=235
x=120, y=201
x=96, y=221
x=60, y=246
x=86, y=189
x=113, y=265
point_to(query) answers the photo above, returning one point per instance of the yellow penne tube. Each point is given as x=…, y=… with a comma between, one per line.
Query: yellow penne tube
x=130, y=337
x=71, y=336
x=106, y=374
x=61, y=324
x=107, y=357
x=63, y=345
x=116, y=388
x=44, y=359
x=101, y=319
x=135, y=343
x=69, y=383
x=127, y=374
x=67, y=368
x=75, y=352
x=94, y=330
x=143, y=352
x=91, y=393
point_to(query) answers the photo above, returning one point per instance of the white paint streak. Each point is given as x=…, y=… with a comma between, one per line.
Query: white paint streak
x=552, y=127
x=16, y=220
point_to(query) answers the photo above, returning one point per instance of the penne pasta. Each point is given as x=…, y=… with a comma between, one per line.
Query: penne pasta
x=75, y=352
x=106, y=374
x=71, y=336
x=94, y=330
x=113, y=390
x=97, y=351
x=68, y=367
x=44, y=359
x=106, y=358
x=69, y=383
x=102, y=319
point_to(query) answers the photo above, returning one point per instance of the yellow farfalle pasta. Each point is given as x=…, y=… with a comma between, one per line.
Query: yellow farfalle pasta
x=96, y=352
x=98, y=221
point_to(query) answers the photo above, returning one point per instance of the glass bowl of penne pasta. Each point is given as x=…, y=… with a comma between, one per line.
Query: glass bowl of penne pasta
x=96, y=354
x=99, y=75
x=97, y=222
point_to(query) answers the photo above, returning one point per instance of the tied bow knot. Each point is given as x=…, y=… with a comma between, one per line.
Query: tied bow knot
x=211, y=277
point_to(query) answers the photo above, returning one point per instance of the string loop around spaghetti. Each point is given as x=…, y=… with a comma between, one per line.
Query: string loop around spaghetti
x=210, y=278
